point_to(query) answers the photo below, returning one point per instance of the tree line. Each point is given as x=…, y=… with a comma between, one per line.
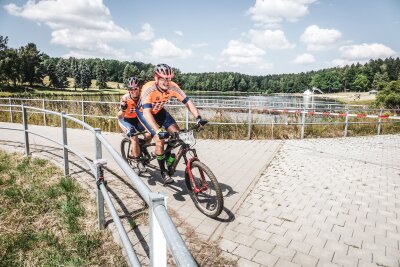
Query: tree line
x=27, y=65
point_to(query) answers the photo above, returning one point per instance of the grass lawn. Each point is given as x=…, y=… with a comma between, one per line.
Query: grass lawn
x=47, y=219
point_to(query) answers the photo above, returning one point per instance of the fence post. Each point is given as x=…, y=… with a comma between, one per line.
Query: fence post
x=346, y=123
x=65, y=144
x=380, y=121
x=44, y=112
x=25, y=125
x=187, y=119
x=303, y=122
x=158, y=244
x=249, y=124
x=99, y=177
x=11, y=113
x=83, y=112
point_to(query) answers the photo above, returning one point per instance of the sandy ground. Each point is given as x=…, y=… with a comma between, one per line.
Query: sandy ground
x=351, y=96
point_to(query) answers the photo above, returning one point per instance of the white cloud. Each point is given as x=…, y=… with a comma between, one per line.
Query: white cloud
x=83, y=26
x=147, y=32
x=366, y=51
x=271, y=12
x=208, y=57
x=304, y=59
x=179, y=33
x=270, y=39
x=352, y=54
x=162, y=48
x=319, y=39
x=240, y=53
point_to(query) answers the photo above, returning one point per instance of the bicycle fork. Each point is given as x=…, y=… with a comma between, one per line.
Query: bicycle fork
x=204, y=185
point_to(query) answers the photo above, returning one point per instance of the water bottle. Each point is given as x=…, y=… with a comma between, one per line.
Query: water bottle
x=171, y=159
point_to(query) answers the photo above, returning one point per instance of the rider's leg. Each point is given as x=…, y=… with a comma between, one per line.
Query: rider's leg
x=134, y=149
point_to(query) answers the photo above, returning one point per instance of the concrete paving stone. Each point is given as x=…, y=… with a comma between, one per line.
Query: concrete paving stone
x=323, y=263
x=351, y=241
x=244, y=239
x=381, y=260
x=310, y=230
x=263, y=245
x=246, y=263
x=305, y=260
x=365, y=236
x=321, y=253
x=300, y=246
x=392, y=242
x=284, y=263
x=335, y=246
x=283, y=252
x=245, y=252
x=228, y=245
x=279, y=240
x=260, y=225
x=344, y=260
x=362, y=263
x=278, y=230
x=329, y=235
x=265, y=259
x=260, y=234
x=362, y=254
x=295, y=235
x=244, y=229
x=343, y=231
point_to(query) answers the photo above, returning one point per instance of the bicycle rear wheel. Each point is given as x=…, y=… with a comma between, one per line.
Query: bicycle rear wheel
x=125, y=143
x=210, y=201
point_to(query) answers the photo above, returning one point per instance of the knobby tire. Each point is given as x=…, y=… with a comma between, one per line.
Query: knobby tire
x=207, y=204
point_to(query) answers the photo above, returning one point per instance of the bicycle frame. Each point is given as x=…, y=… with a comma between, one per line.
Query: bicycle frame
x=182, y=153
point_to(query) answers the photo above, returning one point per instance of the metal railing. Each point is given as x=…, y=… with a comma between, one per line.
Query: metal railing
x=162, y=235
x=244, y=111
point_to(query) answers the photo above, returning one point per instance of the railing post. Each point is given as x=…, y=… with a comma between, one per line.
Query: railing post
x=158, y=244
x=346, y=123
x=380, y=121
x=83, y=112
x=65, y=143
x=25, y=125
x=187, y=119
x=11, y=113
x=249, y=120
x=99, y=177
x=44, y=112
x=303, y=122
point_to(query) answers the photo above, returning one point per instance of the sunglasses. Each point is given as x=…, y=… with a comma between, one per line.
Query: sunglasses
x=131, y=89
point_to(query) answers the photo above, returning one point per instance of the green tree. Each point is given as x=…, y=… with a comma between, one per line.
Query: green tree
x=61, y=73
x=242, y=86
x=30, y=64
x=361, y=83
x=85, y=78
x=76, y=73
x=101, y=75
x=10, y=65
x=51, y=72
x=3, y=48
x=129, y=71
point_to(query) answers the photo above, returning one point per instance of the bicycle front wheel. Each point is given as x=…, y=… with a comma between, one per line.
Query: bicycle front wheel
x=209, y=200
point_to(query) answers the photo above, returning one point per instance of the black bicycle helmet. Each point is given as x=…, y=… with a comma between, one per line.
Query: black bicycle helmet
x=132, y=82
x=164, y=71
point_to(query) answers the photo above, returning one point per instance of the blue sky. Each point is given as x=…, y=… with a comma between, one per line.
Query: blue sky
x=255, y=37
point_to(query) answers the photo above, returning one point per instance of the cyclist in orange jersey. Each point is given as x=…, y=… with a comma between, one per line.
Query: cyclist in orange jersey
x=153, y=116
x=127, y=117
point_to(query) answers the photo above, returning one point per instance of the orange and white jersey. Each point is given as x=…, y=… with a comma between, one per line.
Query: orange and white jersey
x=155, y=98
x=130, y=111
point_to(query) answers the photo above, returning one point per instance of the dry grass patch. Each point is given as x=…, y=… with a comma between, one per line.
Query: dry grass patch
x=48, y=220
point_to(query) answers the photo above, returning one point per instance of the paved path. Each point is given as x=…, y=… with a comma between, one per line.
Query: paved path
x=316, y=202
